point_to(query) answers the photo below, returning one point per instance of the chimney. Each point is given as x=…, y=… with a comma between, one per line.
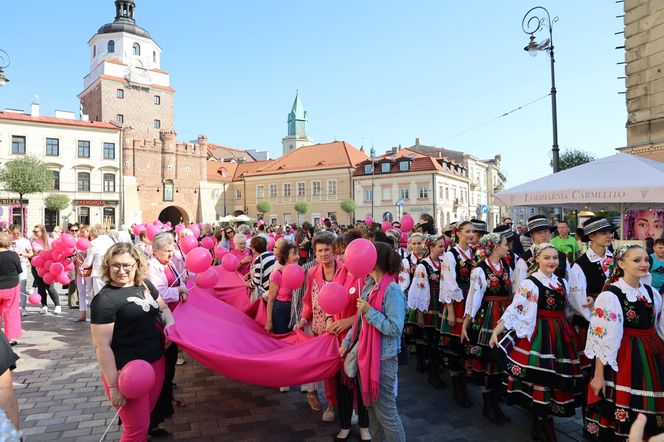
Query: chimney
x=417, y=141
x=85, y=117
x=34, y=109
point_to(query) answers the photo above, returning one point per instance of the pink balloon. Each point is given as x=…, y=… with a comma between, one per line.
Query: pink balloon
x=368, y=220
x=360, y=257
x=156, y=223
x=57, y=255
x=151, y=231
x=332, y=298
x=207, y=279
x=230, y=263
x=179, y=228
x=38, y=261
x=69, y=251
x=136, y=379
x=47, y=265
x=220, y=251
x=82, y=244
x=196, y=230
x=208, y=242
x=56, y=268
x=41, y=272
x=34, y=299
x=188, y=243
x=68, y=240
x=270, y=244
x=386, y=226
x=63, y=278
x=293, y=276
x=407, y=223
x=46, y=254
x=57, y=245
x=49, y=278
x=137, y=229
x=69, y=265
x=198, y=260
x=260, y=222
x=403, y=241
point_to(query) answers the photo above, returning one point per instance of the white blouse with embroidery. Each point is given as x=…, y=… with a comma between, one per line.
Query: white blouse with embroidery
x=449, y=289
x=521, y=314
x=578, y=284
x=419, y=294
x=521, y=272
x=478, y=286
x=404, y=274
x=606, y=322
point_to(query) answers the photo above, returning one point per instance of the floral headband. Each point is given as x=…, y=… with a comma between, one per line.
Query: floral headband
x=430, y=240
x=487, y=245
x=539, y=248
x=615, y=271
x=620, y=251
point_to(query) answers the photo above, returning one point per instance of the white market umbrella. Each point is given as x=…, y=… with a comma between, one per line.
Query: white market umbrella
x=618, y=182
x=242, y=219
x=226, y=219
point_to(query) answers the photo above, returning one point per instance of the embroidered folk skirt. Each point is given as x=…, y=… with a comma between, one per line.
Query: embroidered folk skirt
x=454, y=353
x=486, y=368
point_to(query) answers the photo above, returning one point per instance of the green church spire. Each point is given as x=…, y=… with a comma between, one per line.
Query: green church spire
x=297, y=119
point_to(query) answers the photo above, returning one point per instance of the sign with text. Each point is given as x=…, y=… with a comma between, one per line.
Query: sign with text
x=94, y=203
x=9, y=202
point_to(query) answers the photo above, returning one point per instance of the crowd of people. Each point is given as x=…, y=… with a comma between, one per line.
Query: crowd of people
x=551, y=324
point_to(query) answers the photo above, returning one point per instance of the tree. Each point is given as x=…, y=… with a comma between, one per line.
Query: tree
x=302, y=207
x=56, y=201
x=25, y=175
x=574, y=157
x=263, y=207
x=348, y=206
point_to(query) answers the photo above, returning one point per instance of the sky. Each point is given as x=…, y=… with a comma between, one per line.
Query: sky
x=370, y=72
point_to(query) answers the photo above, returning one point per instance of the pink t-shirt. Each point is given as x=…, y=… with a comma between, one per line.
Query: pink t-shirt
x=37, y=245
x=170, y=276
x=21, y=245
x=244, y=268
x=284, y=294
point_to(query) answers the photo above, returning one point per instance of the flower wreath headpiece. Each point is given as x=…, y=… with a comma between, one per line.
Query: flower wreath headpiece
x=537, y=249
x=617, y=254
x=430, y=240
x=487, y=245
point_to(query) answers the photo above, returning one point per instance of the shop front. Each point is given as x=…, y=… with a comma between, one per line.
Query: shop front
x=90, y=212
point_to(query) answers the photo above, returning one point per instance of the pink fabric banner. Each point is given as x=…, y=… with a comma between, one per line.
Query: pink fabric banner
x=227, y=340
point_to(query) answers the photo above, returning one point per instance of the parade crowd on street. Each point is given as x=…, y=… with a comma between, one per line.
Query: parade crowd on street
x=534, y=317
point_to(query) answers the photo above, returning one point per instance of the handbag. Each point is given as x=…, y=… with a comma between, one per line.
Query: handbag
x=351, y=366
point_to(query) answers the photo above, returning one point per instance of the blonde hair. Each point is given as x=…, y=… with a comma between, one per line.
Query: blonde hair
x=5, y=240
x=120, y=249
x=44, y=236
x=97, y=230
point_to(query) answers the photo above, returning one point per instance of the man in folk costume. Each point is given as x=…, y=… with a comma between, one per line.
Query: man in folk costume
x=539, y=230
x=506, y=232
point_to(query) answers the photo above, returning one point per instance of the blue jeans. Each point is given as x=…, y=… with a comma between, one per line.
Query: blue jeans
x=383, y=414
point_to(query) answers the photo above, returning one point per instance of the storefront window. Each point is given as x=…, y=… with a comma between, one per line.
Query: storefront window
x=50, y=219
x=109, y=216
x=84, y=215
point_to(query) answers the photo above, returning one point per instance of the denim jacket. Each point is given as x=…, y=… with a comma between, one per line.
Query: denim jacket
x=389, y=323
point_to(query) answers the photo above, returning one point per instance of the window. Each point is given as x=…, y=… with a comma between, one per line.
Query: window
x=83, y=181
x=137, y=49
x=238, y=194
x=111, y=47
x=109, y=182
x=403, y=194
x=50, y=219
x=157, y=124
x=109, y=216
x=385, y=167
x=52, y=147
x=119, y=118
x=287, y=190
x=424, y=192
x=454, y=193
x=315, y=188
x=260, y=191
x=119, y=93
x=157, y=99
x=18, y=144
x=109, y=151
x=154, y=56
x=94, y=50
x=83, y=149
x=168, y=190
x=368, y=168
x=273, y=190
x=84, y=215
x=300, y=189
x=331, y=187
x=404, y=166
x=56, y=180
x=368, y=195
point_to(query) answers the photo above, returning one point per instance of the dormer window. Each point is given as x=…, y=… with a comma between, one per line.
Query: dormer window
x=111, y=46
x=404, y=166
x=137, y=49
x=368, y=168
x=385, y=167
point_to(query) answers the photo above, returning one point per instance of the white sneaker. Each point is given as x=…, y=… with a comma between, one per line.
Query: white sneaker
x=24, y=312
x=44, y=310
x=328, y=415
x=57, y=310
x=354, y=419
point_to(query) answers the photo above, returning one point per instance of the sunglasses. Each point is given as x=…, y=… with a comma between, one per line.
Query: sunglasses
x=73, y=230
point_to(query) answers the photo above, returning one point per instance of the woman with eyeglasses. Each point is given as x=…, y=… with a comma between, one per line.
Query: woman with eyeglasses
x=227, y=238
x=125, y=314
x=41, y=242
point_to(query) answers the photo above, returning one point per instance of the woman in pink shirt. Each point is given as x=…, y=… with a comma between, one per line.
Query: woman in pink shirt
x=40, y=243
x=279, y=296
x=242, y=253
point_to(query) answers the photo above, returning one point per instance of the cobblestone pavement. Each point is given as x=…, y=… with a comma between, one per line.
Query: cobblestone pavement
x=61, y=398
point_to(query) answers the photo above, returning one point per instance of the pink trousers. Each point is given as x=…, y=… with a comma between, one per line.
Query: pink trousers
x=11, y=314
x=135, y=414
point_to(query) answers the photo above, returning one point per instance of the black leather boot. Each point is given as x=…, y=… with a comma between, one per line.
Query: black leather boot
x=495, y=397
x=488, y=410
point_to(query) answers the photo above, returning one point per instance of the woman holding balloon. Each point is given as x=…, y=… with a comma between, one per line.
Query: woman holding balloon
x=124, y=317
x=41, y=245
x=280, y=293
x=242, y=253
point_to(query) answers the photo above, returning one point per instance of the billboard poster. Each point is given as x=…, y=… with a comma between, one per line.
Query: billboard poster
x=645, y=223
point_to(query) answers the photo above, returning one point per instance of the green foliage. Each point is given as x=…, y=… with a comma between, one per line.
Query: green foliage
x=575, y=157
x=263, y=207
x=302, y=207
x=348, y=206
x=26, y=175
x=56, y=201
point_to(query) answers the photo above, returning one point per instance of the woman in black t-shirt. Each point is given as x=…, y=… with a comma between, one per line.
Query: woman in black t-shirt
x=124, y=327
x=10, y=293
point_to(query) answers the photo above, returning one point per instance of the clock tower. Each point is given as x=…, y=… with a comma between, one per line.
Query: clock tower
x=297, y=128
x=126, y=83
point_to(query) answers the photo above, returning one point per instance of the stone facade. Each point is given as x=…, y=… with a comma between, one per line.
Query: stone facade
x=644, y=57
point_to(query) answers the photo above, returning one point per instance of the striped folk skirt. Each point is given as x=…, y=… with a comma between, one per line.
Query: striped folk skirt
x=544, y=375
x=454, y=353
x=486, y=368
x=637, y=387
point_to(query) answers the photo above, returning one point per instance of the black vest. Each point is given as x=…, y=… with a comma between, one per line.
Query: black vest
x=639, y=314
x=595, y=277
x=462, y=269
x=497, y=285
x=562, y=262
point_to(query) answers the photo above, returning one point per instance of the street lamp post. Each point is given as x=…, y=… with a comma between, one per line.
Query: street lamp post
x=531, y=24
x=4, y=63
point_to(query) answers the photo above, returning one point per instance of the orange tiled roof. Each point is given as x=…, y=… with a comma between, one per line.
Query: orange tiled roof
x=224, y=152
x=251, y=168
x=220, y=171
x=335, y=155
x=419, y=163
x=53, y=120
